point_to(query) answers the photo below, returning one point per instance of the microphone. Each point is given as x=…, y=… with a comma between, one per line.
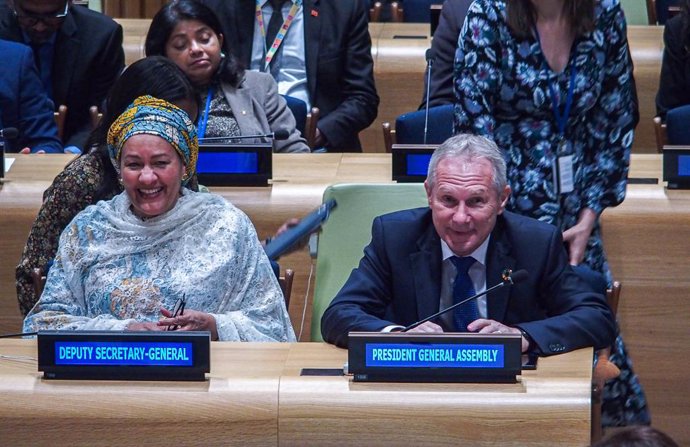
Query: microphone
x=508, y=278
x=430, y=56
x=9, y=133
x=280, y=134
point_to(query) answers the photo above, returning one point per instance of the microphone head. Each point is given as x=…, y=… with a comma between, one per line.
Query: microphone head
x=429, y=55
x=519, y=276
x=281, y=134
x=9, y=133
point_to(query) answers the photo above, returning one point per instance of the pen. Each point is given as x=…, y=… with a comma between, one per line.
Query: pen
x=178, y=310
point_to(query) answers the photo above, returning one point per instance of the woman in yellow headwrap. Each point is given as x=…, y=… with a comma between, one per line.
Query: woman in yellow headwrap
x=122, y=264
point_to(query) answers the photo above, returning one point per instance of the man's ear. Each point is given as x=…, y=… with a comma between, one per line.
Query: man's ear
x=503, y=199
x=428, y=190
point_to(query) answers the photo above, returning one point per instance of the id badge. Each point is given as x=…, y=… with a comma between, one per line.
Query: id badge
x=563, y=170
x=565, y=174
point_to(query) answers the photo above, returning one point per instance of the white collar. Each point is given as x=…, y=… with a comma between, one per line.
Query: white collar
x=479, y=254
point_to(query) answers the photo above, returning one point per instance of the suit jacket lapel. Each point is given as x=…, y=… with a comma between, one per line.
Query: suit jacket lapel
x=67, y=46
x=312, y=38
x=498, y=259
x=240, y=101
x=426, y=270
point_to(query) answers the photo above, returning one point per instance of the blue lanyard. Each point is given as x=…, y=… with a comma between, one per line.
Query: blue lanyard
x=561, y=119
x=203, y=119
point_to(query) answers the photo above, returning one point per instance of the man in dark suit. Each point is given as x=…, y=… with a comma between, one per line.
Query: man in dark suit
x=443, y=47
x=336, y=52
x=78, y=53
x=23, y=103
x=413, y=265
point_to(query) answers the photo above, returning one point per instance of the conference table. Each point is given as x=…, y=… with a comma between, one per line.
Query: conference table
x=255, y=395
x=647, y=240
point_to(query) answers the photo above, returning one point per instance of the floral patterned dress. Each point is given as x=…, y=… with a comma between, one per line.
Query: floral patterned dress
x=113, y=268
x=506, y=91
x=503, y=88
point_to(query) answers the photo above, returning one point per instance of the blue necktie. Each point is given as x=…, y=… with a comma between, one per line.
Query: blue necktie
x=463, y=289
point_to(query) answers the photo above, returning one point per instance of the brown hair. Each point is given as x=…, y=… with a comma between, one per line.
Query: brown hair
x=522, y=16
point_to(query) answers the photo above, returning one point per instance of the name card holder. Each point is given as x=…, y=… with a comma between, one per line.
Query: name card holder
x=113, y=355
x=410, y=162
x=235, y=164
x=447, y=357
x=676, y=163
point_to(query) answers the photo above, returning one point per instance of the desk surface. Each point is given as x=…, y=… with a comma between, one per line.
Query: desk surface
x=647, y=241
x=255, y=395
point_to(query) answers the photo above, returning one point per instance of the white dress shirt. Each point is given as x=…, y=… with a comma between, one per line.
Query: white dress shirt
x=289, y=67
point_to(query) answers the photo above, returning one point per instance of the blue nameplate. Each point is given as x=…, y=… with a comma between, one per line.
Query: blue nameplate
x=676, y=164
x=235, y=164
x=124, y=355
x=410, y=162
x=461, y=357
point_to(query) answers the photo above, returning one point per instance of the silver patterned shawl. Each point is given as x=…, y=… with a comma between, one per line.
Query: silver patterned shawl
x=113, y=268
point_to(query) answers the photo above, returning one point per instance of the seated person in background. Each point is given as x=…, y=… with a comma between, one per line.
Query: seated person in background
x=122, y=263
x=23, y=103
x=324, y=59
x=78, y=53
x=237, y=102
x=443, y=47
x=91, y=177
x=674, y=82
x=425, y=259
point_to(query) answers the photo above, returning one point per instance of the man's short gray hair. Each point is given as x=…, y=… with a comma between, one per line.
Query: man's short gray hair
x=470, y=147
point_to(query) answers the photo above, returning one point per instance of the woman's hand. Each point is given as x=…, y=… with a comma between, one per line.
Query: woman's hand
x=190, y=320
x=144, y=326
x=577, y=236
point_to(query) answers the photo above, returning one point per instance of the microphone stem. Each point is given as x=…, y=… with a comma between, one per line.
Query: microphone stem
x=473, y=297
x=428, y=90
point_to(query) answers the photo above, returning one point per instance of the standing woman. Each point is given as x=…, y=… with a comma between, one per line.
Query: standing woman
x=675, y=65
x=551, y=82
x=234, y=102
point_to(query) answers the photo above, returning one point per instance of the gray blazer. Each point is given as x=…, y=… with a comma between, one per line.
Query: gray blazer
x=259, y=109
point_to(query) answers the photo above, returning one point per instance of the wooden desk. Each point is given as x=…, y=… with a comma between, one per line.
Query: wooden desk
x=647, y=240
x=256, y=396
x=548, y=407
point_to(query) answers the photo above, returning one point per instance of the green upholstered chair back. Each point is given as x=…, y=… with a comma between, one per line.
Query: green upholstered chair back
x=635, y=12
x=348, y=230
